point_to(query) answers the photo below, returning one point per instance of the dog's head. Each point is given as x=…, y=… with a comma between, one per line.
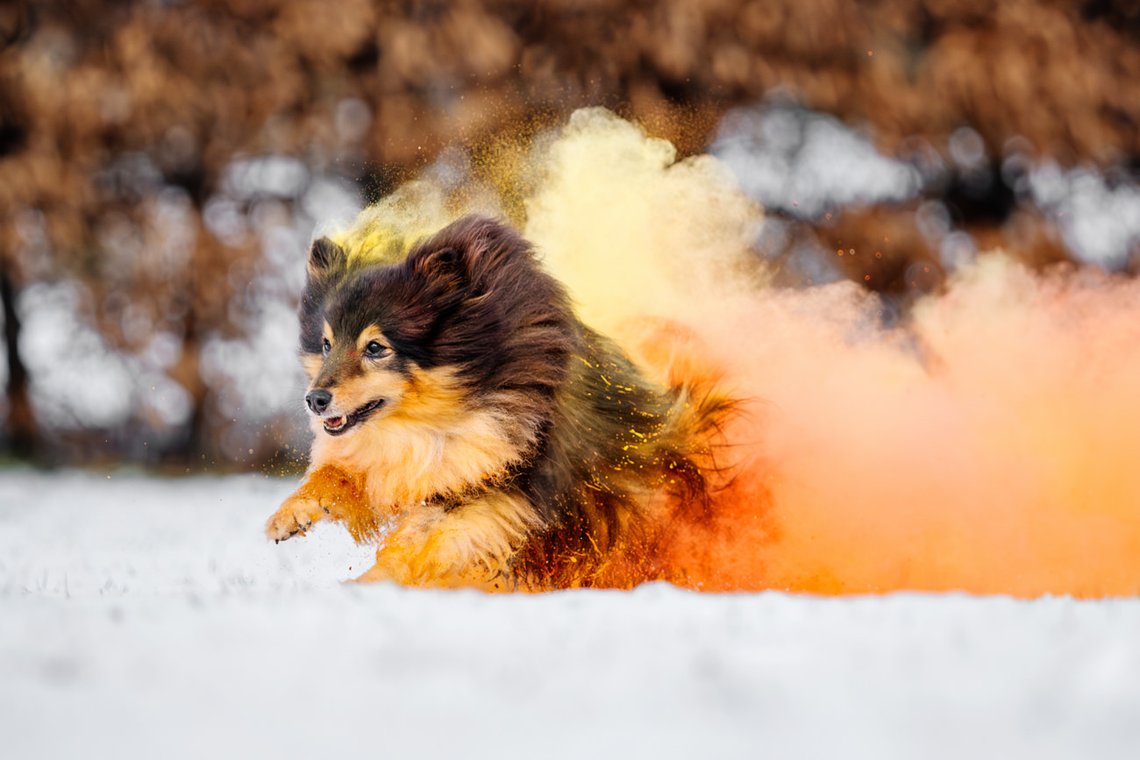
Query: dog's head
x=466, y=313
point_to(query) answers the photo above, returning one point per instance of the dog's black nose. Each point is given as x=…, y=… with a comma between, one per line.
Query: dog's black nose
x=318, y=400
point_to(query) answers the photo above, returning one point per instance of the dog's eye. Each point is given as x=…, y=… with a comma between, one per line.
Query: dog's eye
x=374, y=350
x=326, y=346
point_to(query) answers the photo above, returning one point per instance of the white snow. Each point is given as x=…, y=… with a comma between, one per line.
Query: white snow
x=804, y=162
x=1100, y=222
x=147, y=618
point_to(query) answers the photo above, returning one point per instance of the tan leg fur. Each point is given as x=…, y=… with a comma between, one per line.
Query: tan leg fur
x=468, y=546
x=327, y=493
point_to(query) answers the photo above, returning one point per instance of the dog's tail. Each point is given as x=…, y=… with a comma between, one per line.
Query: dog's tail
x=701, y=411
x=720, y=489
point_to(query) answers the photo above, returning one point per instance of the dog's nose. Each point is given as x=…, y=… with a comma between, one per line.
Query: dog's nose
x=318, y=400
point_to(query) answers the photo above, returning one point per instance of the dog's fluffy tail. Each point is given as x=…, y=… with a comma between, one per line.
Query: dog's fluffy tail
x=674, y=356
x=722, y=491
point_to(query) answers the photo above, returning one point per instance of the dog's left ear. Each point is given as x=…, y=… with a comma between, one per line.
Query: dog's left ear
x=443, y=267
x=324, y=257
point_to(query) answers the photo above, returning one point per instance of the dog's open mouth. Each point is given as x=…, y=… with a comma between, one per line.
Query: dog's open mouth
x=344, y=423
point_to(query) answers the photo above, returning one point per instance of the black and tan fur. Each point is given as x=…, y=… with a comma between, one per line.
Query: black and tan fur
x=511, y=446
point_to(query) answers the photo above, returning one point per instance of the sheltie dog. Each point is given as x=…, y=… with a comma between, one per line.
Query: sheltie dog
x=468, y=422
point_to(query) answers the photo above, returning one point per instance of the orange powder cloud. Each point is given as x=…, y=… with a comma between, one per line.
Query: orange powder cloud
x=988, y=446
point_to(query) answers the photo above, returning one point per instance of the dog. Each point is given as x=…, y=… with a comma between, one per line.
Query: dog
x=472, y=425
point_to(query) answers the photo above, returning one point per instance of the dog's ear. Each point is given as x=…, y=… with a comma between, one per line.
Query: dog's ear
x=442, y=267
x=324, y=257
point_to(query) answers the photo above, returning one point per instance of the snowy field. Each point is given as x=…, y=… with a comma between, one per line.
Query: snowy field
x=147, y=618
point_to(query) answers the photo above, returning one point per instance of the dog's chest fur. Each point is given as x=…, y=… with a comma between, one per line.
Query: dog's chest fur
x=442, y=448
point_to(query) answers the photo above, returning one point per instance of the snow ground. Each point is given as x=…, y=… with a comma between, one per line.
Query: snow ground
x=147, y=618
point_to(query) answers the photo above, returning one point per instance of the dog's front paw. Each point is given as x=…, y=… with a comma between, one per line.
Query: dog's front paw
x=295, y=516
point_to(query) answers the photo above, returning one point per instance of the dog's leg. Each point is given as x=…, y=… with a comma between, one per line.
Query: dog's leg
x=468, y=546
x=327, y=493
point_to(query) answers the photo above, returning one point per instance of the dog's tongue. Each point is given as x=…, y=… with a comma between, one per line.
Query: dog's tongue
x=334, y=423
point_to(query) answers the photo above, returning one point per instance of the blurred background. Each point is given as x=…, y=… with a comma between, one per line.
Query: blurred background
x=163, y=165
